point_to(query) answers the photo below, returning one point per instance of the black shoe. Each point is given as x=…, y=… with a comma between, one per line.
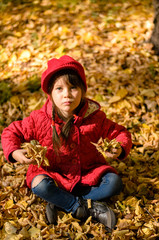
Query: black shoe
x=99, y=212
x=103, y=214
x=51, y=213
x=82, y=211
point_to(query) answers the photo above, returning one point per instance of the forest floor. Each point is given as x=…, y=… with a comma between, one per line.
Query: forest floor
x=111, y=40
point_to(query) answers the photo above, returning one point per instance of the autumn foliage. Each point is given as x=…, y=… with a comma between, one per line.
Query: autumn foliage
x=111, y=40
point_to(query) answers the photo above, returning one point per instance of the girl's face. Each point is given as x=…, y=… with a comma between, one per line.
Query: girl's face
x=65, y=96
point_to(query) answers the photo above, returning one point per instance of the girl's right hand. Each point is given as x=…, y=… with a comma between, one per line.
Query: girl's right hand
x=115, y=153
x=19, y=156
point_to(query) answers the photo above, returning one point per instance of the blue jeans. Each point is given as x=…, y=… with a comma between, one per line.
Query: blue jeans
x=110, y=185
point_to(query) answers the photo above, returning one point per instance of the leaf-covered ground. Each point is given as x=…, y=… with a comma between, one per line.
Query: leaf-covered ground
x=110, y=38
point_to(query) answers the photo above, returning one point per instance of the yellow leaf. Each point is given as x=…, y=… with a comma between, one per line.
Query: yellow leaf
x=33, y=104
x=156, y=184
x=147, y=232
x=114, y=99
x=35, y=233
x=138, y=209
x=89, y=203
x=87, y=37
x=18, y=34
x=123, y=104
x=77, y=226
x=148, y=93
x=130, y=187
x=48, y=12
x=120, y=233
x=145, y=126
x=24, y=233
x=4, y=57
x=7, y=168
x=9, y=228
x=98, y=97
x=122, y=92
x=113, y=68
x=124, y=223
x=122, y=166
x=21, y=87
x=12, y=60
x=131, y=201
x=64, y=30
x=43, y=29
x=9, y=204
x=23, y=221
x=142, y=189
x=128, y=71
x=23, y=204
x=60, y=50
x=25, y=55
x=13, y=237
x=76, y=53
x=88, y=220
x=15, y=100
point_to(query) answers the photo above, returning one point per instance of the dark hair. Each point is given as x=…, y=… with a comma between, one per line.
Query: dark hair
x=75, y=80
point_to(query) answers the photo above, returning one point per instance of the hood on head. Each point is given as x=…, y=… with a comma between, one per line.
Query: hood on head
x=55, y=65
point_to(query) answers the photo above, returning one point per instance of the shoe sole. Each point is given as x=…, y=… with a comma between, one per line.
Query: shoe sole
x=51, y=214
x=111, y=219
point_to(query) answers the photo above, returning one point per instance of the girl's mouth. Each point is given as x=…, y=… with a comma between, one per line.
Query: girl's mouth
x=67, y=103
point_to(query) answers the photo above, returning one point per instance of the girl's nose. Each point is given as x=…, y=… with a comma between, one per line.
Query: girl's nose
x=66, y=92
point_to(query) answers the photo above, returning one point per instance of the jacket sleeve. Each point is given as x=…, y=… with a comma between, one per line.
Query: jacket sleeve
x=113, y=130
x=17, y=133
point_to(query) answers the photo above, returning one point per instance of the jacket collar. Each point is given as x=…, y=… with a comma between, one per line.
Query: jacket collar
x=91, y=107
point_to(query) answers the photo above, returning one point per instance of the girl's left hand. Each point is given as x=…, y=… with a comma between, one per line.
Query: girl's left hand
x=115, y=153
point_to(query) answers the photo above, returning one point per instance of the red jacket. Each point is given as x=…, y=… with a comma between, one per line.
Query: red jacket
x=79, y=161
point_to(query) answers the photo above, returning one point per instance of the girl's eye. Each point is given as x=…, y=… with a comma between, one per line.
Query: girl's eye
x=73, y=87
x=58, y=88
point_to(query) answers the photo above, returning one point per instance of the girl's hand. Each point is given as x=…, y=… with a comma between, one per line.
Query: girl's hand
x=115, y=153
x=19, y=156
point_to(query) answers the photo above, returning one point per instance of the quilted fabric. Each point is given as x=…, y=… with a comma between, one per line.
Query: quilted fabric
x=78, y=161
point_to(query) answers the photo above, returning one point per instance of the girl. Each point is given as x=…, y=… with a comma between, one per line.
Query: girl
x=67, y=124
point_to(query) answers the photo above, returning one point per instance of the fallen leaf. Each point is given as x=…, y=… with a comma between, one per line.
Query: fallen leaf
x=25, y=56
x=9, y=204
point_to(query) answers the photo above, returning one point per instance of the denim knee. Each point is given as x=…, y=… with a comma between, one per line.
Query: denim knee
x=114, y=181
x=48, y=191
x=42, y=187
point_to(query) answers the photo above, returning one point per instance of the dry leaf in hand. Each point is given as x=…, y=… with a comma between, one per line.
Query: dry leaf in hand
x=36, y=152
x=106, y=145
